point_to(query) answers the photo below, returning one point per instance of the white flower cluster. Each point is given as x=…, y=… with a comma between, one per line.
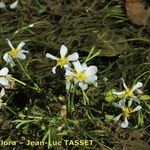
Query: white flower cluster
x=81, y=74
x=3, y=82
x=12, y=5
x=6, y=80
x=127, y=96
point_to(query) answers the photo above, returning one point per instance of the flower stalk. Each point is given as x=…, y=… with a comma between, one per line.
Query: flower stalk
x=36, y=87
x=86, y=100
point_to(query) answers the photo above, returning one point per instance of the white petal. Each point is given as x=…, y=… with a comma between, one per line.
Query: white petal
x=68, y=85
x=3, y=81
x=4, y=71
x=137, y=100
x=6, y=57
x=130, y=102
x=83, y=86
x=24, y=51
x=136, y=86
x=2, y=4
x=122, y=103
x=84, y=66
x=9, y=43
x=2, y=93
x=91, y=79
x=76, y=81
x=63, y=50
x=125, y=123
x=54, y=70
x=14, y=5
x=91, y=70
x=78, y=66
x=20, y=45
x=118, y=93
x=67, y=66
x=124, y=84
x=134, y=97
x=139, y=91
x=117, y=117
x=12, y=64
x=20, y=55
x=137, y=108
x=73, y=57
x=68, y=72
x=51, y=56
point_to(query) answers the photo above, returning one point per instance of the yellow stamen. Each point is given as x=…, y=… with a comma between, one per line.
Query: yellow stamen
x=13, y=52
x=129, y=93
x=126, y=111
x=62, y=61
x=81, y=76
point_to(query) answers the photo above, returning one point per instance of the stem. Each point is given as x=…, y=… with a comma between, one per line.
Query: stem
x=91, y=57
x=32, y=117
x=23, y=70
x=18, y=81
x=85, y=98
x=36, y=87
x=68, y=102
x=91, y=54
x=70, y=99
x=49, y=138
x=91, y=51
x=10, y=110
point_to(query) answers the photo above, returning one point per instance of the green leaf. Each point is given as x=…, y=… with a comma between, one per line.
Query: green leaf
x=144, y=97
x=109, y=97
x=63, y=133
x=140, y=118
x=108, y=118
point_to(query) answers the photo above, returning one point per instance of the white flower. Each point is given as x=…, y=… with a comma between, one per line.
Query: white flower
x=3, y=76
x=14, y=53
x=81, y=75
x=2, y=4
x=6, y=79
x=126, y=111
x=14, y=5
x=129, y=92
x=2, y=93
x=64, y=60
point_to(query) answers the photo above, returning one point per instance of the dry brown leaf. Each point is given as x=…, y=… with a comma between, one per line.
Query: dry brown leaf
x=137, y=12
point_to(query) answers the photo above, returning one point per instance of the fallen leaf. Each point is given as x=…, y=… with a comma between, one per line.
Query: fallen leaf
x=137, y=12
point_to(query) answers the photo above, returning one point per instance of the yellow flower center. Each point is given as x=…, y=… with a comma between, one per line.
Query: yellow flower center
x=81, y=76
x=13, y=52
x=62, y=61
x=126, y=111
x=129, y=93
